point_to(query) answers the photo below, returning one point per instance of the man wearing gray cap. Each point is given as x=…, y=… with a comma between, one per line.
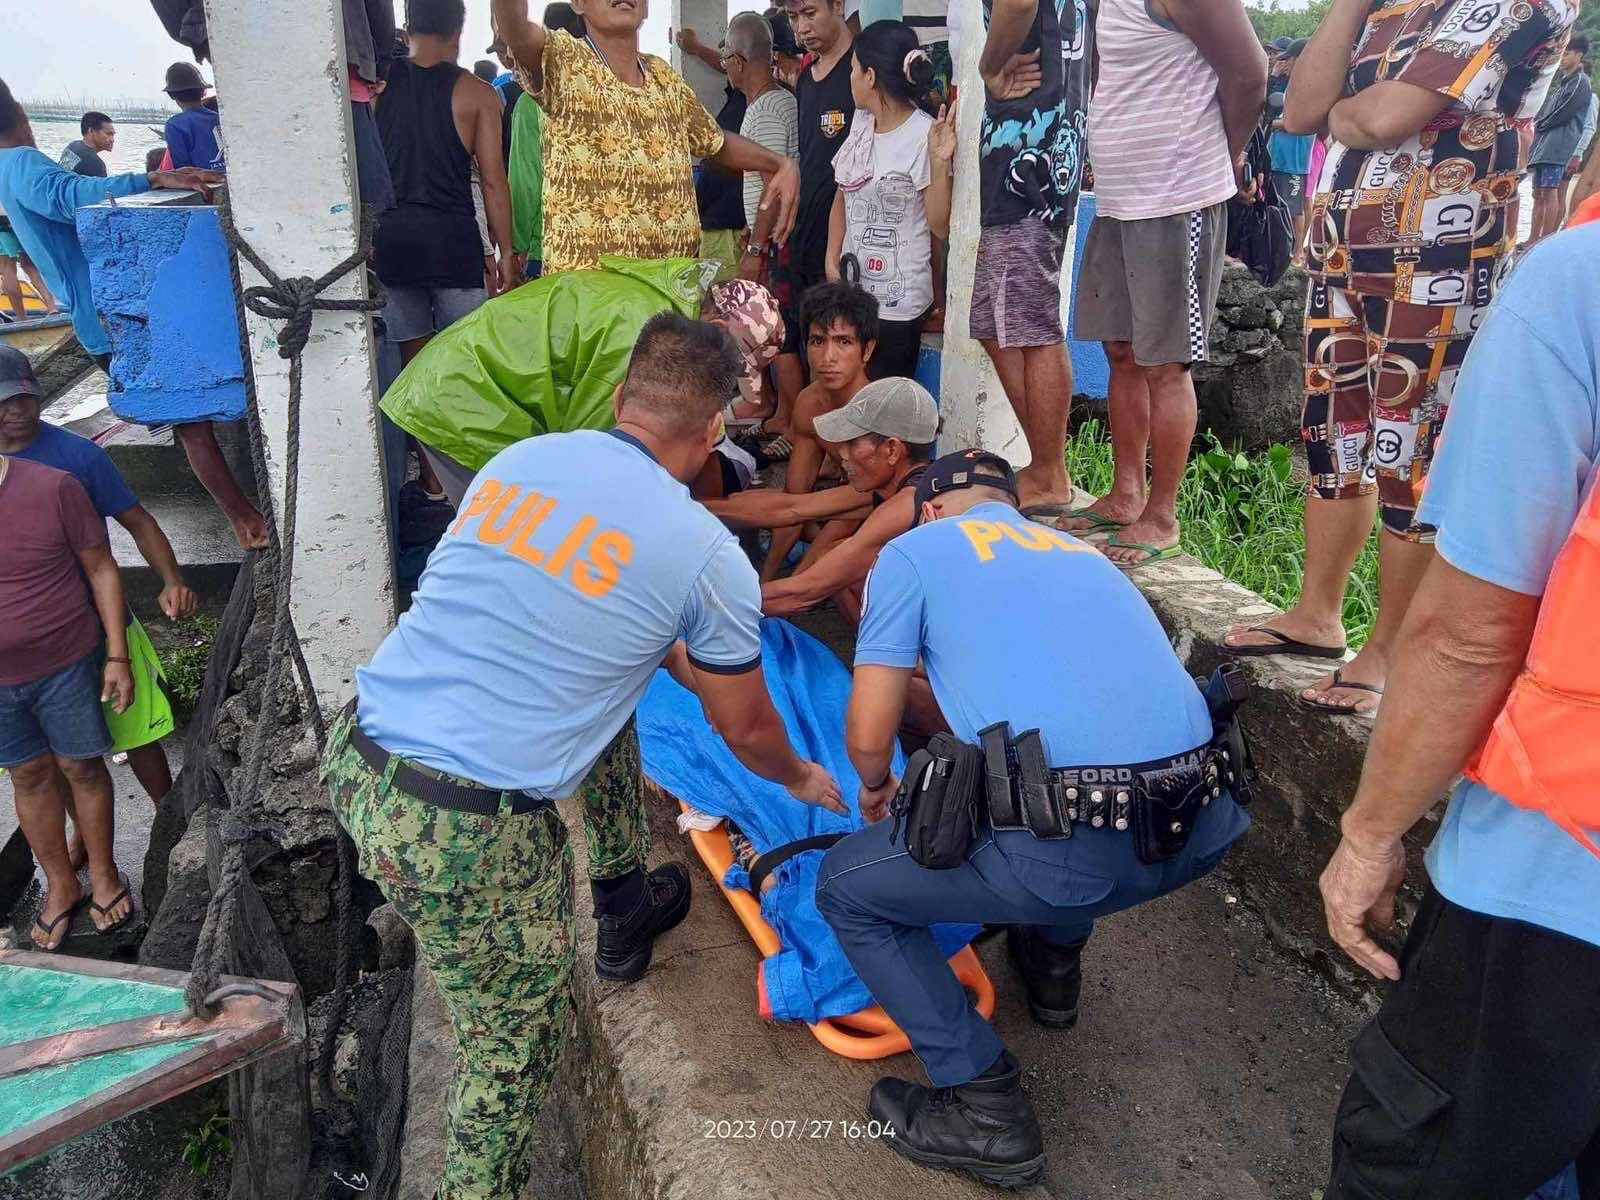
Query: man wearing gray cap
x=885, y=436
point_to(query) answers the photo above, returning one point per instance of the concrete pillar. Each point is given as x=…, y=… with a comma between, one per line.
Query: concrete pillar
x=709, y=19
x=972, y=403
x=281, y=79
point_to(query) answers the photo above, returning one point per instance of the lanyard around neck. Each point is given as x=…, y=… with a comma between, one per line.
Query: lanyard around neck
x=600, y=54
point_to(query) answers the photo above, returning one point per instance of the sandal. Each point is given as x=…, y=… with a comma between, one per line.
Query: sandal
x=1284, y=644
x=1098, y=523
x=1152, y=552
x=1339, y=681
x=105, y=909
x=49, y=928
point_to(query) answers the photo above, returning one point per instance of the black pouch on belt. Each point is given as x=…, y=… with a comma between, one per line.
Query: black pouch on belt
x=1167, y=806
x=937, y=805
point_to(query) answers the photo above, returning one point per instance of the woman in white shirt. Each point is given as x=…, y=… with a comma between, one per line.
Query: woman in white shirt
x=894, y=174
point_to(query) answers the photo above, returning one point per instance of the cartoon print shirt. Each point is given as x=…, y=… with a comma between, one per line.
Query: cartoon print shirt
x=886, y=222
x=1425, y=222
x=1030, y=160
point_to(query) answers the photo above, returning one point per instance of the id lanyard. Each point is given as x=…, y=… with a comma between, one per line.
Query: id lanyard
x=598, y=53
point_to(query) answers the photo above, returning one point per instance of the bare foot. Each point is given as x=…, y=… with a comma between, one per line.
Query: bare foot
x=1292, y=624
x=51, y=926
x=1113, y=510
x=1162, y=535
x=251, y=530
x=1356, y=687
x=112, y=900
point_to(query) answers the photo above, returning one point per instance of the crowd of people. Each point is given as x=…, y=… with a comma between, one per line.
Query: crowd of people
x=609, y=308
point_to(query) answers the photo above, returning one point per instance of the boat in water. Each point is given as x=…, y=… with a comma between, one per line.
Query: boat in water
x=41, y=331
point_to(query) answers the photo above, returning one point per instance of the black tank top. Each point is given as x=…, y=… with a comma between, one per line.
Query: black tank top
x=430, y=237
x=913, y=477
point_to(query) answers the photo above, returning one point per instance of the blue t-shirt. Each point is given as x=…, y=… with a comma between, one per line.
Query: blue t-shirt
x=192, y=139
x=42, y=200
x=1518, y=456
x=1018, y=622
x=85, y=462
x=546, y=608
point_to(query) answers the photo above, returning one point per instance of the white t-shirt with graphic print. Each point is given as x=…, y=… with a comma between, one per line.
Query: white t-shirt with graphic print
x=886, y=222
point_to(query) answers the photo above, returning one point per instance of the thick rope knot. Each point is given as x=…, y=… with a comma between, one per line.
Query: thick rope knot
x=292, y=302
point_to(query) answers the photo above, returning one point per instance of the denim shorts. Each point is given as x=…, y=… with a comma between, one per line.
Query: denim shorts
x=1549, y=175
x=419, y=312
x=59, y=713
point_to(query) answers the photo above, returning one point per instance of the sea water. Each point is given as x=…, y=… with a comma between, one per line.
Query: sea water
x=134, y=138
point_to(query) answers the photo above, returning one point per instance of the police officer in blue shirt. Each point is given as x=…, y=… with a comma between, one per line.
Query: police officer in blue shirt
x=1120, y=795
x=577, y=565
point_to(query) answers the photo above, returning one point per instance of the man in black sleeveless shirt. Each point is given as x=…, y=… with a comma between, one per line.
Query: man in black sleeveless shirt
x=436, y=119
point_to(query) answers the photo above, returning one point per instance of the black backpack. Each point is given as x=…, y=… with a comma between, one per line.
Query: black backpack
x=1261, y=235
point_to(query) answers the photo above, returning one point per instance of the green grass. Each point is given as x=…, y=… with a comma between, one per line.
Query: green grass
x=186, y=662
x=1241, y=516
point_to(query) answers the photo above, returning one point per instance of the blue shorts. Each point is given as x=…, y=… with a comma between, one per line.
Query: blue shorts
x=9, y=246
x=1549, y=175
x=59, y=713
x=419, y=312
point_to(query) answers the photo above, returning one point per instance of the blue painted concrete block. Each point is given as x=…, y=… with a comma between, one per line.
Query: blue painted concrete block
x=1091, y=373
x=164, y=290
x=930, y=357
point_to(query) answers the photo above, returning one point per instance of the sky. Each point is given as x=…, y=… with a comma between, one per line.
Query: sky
x=100, y=51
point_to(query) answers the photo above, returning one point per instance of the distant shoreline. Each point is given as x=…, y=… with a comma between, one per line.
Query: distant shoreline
x=58, y=111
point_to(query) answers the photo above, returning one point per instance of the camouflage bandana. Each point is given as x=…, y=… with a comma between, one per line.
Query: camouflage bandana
x=751, y=317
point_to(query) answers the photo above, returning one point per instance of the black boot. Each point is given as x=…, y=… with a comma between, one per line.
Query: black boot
x=986, y=1128
x=1053, y=976
x=633, y=911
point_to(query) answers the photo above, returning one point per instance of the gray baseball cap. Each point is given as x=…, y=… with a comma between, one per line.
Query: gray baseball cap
x=893, y=407
x=16, y=374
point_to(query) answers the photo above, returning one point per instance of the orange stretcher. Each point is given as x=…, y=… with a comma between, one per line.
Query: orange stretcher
x=868, y=1033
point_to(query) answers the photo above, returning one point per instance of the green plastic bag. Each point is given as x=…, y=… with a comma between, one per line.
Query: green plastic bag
x=149, y=718
x=543, y=358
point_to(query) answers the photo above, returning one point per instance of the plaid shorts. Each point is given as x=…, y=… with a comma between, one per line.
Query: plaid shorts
x=1379, y=374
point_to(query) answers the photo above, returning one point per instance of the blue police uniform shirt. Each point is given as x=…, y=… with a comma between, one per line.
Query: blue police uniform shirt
x=1019, y=622
x=84, y=461
x=1518, y=456
x=546, y=608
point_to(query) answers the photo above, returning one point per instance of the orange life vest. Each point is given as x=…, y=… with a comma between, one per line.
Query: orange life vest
x=1543, y=752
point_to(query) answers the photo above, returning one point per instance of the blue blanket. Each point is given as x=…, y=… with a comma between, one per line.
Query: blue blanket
x=809, y=979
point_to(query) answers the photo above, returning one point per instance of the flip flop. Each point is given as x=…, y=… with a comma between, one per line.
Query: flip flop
x=1339, y=681
x=103, y=909
x=1153, y=553
x=52, y=926
x=1098, y=522
x=1047, y=512
x=1283, y=645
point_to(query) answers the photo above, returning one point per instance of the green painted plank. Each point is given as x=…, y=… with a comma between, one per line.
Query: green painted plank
x=25, y=1099
x=35, y=1003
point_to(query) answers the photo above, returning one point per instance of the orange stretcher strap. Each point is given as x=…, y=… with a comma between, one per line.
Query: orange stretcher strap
x=868, y=1033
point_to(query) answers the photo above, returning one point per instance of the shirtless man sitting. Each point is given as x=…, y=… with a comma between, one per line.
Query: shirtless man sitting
x=885, y=436
x=839, y=324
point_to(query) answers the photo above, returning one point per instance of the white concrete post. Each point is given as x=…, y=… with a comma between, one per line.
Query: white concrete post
x=281, y=80
x=709, y=19
x=972, y=403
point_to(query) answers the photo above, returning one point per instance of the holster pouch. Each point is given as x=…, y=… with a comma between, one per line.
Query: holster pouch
x=999, y=778
x=937, y=804
x=1225, y=690
x=1166, y=806
x=1040, y=812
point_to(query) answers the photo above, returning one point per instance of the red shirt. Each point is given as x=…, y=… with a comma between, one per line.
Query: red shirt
x=47, y=615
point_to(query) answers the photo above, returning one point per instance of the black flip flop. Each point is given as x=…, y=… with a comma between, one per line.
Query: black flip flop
x=1339, y=681
x=103, y=909
x=49, y=929
x=1284, y=645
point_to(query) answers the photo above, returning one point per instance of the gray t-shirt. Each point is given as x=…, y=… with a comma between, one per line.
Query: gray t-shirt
x=81, y=160
x=771, y=121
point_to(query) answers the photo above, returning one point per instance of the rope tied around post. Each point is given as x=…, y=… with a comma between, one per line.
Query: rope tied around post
x=295, y=301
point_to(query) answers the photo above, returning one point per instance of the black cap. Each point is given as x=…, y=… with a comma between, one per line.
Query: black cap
x=16, y=374
x=184, y=77
x=1280, y=44
x=783, y=34
x=964, y=469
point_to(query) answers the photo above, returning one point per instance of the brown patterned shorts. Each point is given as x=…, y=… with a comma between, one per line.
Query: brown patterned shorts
x=1379, y=376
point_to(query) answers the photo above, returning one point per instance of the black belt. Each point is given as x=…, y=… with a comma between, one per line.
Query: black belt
x=769, y=862
x=441, y=793
x=1103, y=795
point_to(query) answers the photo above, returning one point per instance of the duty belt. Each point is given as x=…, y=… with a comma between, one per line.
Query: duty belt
x=425, y=785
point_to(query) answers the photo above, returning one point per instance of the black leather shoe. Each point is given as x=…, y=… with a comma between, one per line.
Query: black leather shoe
x=626, y=939
x=986, y=1128
x=1053, y=976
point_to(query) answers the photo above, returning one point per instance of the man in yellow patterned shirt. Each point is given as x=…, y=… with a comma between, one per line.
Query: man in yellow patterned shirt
x=621, y=131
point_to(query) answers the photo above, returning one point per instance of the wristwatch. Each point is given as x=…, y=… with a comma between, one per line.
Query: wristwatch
x=752, y=250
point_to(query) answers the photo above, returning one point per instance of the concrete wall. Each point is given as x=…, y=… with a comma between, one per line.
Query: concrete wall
x=165, y=293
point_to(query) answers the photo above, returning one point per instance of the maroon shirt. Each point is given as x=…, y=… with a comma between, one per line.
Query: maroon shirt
x=47, y=615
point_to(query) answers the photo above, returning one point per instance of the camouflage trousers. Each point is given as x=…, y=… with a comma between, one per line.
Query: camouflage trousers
x=490, y=901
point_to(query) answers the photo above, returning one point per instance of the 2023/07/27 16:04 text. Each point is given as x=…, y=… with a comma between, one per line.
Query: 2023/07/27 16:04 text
x=812, y=1128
